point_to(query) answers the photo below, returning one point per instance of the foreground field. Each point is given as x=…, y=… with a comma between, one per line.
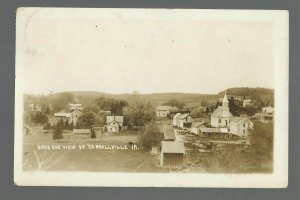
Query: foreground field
x=76, y=159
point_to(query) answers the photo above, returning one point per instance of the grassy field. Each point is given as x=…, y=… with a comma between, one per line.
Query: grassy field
x=87, y=159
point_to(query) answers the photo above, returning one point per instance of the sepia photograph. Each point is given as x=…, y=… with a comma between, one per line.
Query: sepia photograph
x=151, y=97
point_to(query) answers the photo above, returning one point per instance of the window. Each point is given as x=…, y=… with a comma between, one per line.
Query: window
x=244, y=131
x=244, y=125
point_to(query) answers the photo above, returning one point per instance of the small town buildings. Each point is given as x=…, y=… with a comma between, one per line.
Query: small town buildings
x=247, y=102
x=215, y=132
x=164, y=111
x=240, y=126
x=176, y=120
x=71, y=118
x=221, y=116
x=172, y=154
x=195, y=127
x=183, y=120
x=114, y=124
x=267, y=114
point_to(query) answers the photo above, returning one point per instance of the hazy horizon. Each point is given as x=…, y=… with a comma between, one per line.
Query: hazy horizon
x=118, y=55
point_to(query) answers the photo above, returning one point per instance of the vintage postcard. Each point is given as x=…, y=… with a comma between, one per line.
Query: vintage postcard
x=151, y=97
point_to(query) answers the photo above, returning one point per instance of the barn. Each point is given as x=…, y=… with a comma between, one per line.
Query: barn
x=172, y=154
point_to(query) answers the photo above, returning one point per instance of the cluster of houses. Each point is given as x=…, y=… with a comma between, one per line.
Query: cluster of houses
x=222, y=122
x=114, y=125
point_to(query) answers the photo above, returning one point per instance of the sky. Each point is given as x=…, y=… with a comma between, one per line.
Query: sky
x=122, y=55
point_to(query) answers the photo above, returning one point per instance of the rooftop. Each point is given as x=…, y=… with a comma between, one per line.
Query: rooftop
x=172, y=147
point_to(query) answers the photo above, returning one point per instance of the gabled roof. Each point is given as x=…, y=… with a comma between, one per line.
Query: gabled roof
x=81, y=131
x=218, y=112
x=197, y=124
x=169, y=135
x=183, y=116
x=172, y=147
x=118, y=119
x=176, y=116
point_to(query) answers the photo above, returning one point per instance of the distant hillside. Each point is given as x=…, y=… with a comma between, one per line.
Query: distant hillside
x=245, y=91
x=60, y=100
x=262, y=96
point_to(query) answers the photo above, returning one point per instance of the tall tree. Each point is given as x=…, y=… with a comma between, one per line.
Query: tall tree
x=140, y=113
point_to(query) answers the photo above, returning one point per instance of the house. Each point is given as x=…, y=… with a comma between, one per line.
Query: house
x=175, y=120
x=221, y=116
x=114, y=124
x=169, y=135
x=266, y=115
x=75, y=106
x=195, y=127
x=172, y=154
x=247, y=102
x=240, y=126
x=71, y=118
x=81, y=133
x=164, y=111
x=185, y=120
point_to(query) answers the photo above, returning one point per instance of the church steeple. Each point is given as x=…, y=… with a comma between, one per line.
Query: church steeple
x=225, y=101
x=225, y=108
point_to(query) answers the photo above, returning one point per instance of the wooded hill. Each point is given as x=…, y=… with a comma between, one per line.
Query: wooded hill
x=86, y=98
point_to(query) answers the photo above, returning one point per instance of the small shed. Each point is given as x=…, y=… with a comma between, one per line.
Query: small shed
x=169, y=135
x=172, y=154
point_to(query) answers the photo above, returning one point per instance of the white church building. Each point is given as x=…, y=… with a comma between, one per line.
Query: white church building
x=221, y=116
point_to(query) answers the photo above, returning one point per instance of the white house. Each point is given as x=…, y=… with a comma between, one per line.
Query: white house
x=247, y=102
x=267, y=114
x=185, y=120
x=240, y=126
x=175, y=119
x=196, y=126
x=221, y=116
x=114, y=124
x=64, y=116
x=164, y=111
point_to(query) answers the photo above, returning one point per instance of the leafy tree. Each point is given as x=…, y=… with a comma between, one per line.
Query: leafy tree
x=261, y=149
x=140, y=113
x=86, y=120
x=233, y=107
x=57, y=134
x=39, y=118
x=151, y=136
